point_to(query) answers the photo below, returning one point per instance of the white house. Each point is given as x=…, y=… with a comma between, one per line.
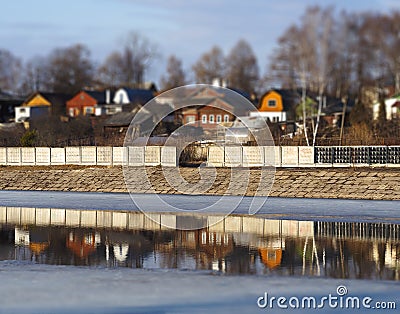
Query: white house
x=132, y=96
x=273, y=116
x=392, y=108
x=21, y=237
x=24, y=113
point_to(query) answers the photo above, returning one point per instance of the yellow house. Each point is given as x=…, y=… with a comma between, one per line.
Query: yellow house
x=271, y=257
x=271, y=102
x=278, y=105
x=39, y=104
x=35, y=100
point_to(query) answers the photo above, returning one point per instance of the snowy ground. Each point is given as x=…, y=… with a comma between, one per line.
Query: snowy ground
x=30, y=288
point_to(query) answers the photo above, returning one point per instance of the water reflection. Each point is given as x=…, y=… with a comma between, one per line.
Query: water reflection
x=235, y=245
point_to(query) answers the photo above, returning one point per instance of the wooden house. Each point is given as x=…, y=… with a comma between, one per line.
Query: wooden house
x=209, y=107
x=271, y=253
x=8, y=103
x=39, y=104
x=82, y=245
x=392, y=106
x=278, y=105
x=87, y=102
x=132, y=96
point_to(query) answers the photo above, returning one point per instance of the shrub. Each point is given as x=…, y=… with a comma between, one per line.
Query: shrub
x=29, y=138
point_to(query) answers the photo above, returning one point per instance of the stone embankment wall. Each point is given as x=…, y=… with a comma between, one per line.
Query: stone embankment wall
x=350, y=183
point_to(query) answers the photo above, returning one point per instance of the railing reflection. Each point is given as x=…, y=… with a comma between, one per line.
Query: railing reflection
x=235, y=244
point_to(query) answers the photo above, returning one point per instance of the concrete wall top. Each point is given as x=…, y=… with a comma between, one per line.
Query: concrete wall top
x=217, y=156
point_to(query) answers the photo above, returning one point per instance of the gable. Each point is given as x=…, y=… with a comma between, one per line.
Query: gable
x=267, y=101
x=207, y=93
x=37, y=100
x=220, y=103
x=121, y=96
x=136, y=96
x=81, y=99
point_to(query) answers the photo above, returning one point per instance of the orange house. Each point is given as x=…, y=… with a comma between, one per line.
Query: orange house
x=84, y=102
x=278, y=105
x=82, y=245
x=271, y=257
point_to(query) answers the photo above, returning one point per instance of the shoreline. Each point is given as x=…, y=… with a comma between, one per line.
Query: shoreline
x=331, y=183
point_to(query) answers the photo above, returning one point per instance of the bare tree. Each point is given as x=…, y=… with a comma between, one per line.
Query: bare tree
x=326, y=56
x=210, y=66
x=110, y=72
x=384, y=35
x=69, y=69
x=129, y=65
x=35, y=76
x=292, y=64
x=318, y=25
x=10, y=67
x=242, y=68
x=175, y=75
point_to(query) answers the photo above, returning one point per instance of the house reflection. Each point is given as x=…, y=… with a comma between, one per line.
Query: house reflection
x=239, y=245
x=82, y=243
x=271, y=253
x=31, y=243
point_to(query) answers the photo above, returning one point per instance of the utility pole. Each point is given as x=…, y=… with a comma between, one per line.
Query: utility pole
x=342, y=122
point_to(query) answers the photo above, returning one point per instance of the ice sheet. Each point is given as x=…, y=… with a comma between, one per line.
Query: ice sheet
x=287, y=208
x=32, y=288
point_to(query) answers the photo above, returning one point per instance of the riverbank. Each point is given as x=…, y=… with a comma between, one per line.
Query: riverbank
x=345, y=183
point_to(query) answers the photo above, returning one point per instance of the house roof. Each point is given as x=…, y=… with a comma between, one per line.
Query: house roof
x=336, y=106
x=199, y=97
x=56, y=99
x=99, y=96
x=120, y=119
x=290, y=98
x=6, y=98
x=139, y=96
x=331, y=104
x=201, y=101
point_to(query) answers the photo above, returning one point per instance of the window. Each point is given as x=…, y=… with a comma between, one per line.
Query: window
x=211, y=118
x=226, y=118
x=272, y=256
x=203, y=237
x=111, y=110
x=71, y=112
x=89, y=239
x=190, y=119
x=89, y=110
x=272, y=103
x=275, y=119
x=204, y=118
x=219, y=118
x=22, y=110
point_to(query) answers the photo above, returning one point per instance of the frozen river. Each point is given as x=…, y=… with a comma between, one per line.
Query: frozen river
x=288, y=208
x=326, y=247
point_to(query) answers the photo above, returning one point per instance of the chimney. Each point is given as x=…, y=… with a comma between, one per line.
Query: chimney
x=215, y=82
x=107, y=96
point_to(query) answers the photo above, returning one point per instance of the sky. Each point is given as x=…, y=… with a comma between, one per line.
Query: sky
x=30, y=28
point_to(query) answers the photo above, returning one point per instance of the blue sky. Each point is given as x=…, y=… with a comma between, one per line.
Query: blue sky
x=184, y=28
